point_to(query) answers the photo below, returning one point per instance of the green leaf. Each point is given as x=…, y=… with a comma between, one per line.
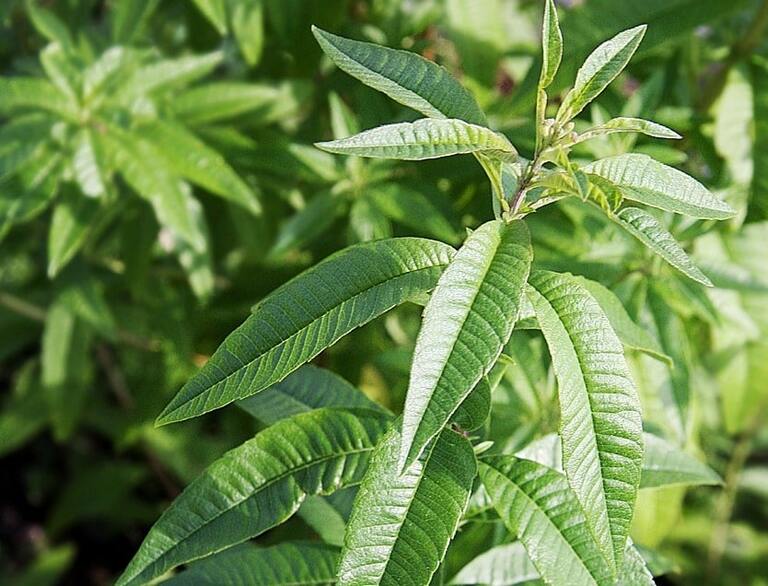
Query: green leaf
x=732, y=276
x=413, y=209
x=216, y=13
x=128, y=19
x=24, y=412
x=634, y=572
x=306, y=389
x=196, y=261
x=214, y=102
x=65, y=373
x=599, y=70
x=306, y=315
x=21, y=140
x=503, y=565
x=49, y=25
x=622, y=124
x=307, y=224
x=600, y=421
x=466, y=324
x=284, y=564
x=257, y=486
x=551, y=45
x=247, y=20
x=34, y=93
x=539, y=507
x=759, y=71
x=665, y=465
x=88, y=165
x=655, y=236
x=473, y=411
x=642, y=179
x=424, y=139
x=169, y=74
x=192, y=159
x=405, y=77
x=401, y=524
x=70, y=225
x=631, y=335
x=135, y=159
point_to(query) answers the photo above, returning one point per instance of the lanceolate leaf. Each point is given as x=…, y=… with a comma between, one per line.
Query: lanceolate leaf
x=630, y=334
x=642, y=179
x=600, y=69
x=600, y=424
x=257, y=486
x=503, y=565
x=466, y=324
x=308, y=314
x=405, y=77
x=634, y=572
x=665, y=464
x=551, y=44
x=401, y=524
x=284, y=564
x=192, y=159
x=539, y=507
x=70, y=225
x=475, y=409
x=424, y=139
x=629, y=125
x=306, y=389
x=655, y=236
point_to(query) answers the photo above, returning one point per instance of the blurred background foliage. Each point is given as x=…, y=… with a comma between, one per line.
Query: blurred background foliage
x=157, y=178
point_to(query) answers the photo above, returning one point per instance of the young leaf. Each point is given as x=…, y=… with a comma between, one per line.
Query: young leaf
x=631, y=335
x=306, y=389
x=405, y=77
x=257, y=486
x=642, y=179
x=88, y=165
x=551, y=44
x=424, y=139
x=506, y=565
x=401, y=524
x=622, y=124
x=539, y=507
x=466, y=324
x=655, y=236
x=306, y=315
x=600, y=421
x=599, y=70
x=665, y=465
x=192, y=159
x=284, y=564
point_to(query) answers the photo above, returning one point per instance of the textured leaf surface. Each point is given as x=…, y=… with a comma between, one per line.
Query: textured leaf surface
x=623, y=124
x=306, y=315
x=466, y=324
x=630, y=334
x=600, y=425
x=405, y=77
x=656, y=237
x=551, y=44
x=476, y=408
x=503, y=565
x=258, y=485
x=634, y=572
x=642, y=179
x=539, y=507
x=285, y=564
x=600, y=69
x=424, y=139
x=664, y=465
x=401, y=524
x=306, y=389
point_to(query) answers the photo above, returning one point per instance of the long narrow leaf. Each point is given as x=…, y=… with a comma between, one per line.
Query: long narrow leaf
x=600, y=424
x=308, y=314
x=257, y=486
x=467, y=322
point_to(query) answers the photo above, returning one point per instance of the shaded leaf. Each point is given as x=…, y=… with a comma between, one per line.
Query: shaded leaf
x=72, y=219
x=664, y=465
x=503, y=565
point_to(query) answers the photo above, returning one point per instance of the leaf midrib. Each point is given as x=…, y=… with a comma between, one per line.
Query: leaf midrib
x=296, y=333
x=289, y=472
